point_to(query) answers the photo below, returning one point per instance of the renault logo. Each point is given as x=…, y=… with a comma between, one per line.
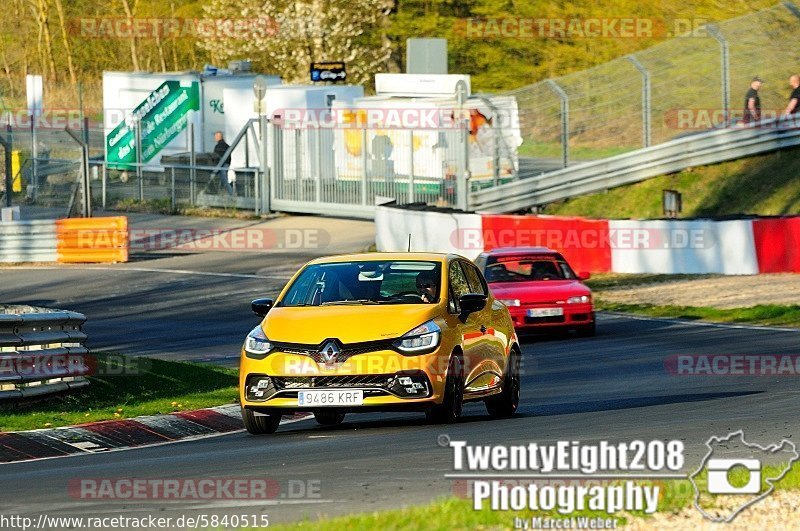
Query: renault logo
x=329, y=352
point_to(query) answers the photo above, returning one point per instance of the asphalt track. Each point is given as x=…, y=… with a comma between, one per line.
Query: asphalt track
x=611, y=387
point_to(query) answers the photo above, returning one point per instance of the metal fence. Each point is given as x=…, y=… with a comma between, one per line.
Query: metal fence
x=688, y=85
x=41, y=352
x=339, y=171
x=349, y=170
x=681, y=86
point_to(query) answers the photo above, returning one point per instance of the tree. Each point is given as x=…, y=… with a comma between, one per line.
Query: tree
x=285, y=37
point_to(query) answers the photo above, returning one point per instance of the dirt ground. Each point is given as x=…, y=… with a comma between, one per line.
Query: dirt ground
x=718, y=292
x=776, y=511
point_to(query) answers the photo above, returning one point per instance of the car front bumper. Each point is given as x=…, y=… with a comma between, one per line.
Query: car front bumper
x=575, y=315
x=377, y=374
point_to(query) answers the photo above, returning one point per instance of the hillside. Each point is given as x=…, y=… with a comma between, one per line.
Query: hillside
x=765, y=185
x=78, y=40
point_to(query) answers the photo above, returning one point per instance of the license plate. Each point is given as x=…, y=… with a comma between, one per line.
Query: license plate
x=545, y=312
x=353, y=397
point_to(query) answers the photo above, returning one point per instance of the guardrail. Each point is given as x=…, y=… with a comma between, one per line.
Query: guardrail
x=696, y=150
x=41, y=352
x=73, y=240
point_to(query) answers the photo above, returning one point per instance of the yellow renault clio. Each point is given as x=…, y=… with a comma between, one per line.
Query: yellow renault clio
x=379, y=332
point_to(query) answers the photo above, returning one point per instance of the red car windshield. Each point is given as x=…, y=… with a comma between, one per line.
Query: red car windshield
x=527, y=269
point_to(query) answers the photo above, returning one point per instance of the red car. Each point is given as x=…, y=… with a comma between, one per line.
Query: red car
x=540, y=289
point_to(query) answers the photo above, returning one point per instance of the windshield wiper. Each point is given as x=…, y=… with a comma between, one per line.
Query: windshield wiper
x=350, y=302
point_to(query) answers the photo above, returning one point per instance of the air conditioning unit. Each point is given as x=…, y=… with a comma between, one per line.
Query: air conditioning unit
x=420, y=85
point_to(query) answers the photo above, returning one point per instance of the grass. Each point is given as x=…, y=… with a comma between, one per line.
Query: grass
x=761, y=314
x=455, y=514
x=601, y=281
x=553, y=150
x=164, y=206
x=148, y=387
x=763, y=185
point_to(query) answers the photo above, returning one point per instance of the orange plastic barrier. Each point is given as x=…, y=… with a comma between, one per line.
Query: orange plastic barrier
x=92, y=240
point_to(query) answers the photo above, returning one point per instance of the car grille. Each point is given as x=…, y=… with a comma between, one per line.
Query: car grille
x=311, y=382
x=346, y=351
x=548, y=320
x=416, y=385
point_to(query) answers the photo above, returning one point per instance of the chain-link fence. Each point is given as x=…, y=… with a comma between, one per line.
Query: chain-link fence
x=46, y=165
x=684, y=85
x=359, y=166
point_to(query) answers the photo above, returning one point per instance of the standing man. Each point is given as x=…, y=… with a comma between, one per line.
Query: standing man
x=219, y=150
x=794, y=98
x=752, y=103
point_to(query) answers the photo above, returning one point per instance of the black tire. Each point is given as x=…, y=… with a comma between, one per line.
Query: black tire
x=329, y=417
x=505, y=404
x=260, y=424
x=587, y=330
x=449, y=411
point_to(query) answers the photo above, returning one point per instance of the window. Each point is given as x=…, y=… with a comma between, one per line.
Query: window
x=369, y=282
x=458, y=285
x=476, y=284
x=527, y=269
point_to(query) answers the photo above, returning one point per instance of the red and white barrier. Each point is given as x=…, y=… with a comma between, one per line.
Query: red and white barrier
x=734, y=247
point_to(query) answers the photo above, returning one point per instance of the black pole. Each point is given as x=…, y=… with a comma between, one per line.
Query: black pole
x=7, y=144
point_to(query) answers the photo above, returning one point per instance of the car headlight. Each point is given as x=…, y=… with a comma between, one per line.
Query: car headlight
x=423, y=338
x=510, y=302
x=579, y=299
x=257, y=343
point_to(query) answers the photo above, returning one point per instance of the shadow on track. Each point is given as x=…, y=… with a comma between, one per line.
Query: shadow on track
x=629, y=403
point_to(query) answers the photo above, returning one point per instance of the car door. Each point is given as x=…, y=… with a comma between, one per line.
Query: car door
x=493, y=340
x=469, y=329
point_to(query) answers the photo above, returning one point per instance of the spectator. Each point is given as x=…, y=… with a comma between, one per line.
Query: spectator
x=219, y=150
x=794, y=98
x=752, y=103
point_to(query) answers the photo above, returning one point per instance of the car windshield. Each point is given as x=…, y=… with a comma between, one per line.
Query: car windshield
x=527, y=269
x=370, y=282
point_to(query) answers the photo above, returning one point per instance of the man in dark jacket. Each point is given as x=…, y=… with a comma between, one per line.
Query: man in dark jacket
x=752, y=102
x=219, y=150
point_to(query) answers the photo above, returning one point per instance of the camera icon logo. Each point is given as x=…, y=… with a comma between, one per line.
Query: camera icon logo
x=734, y=477
x=719, y=476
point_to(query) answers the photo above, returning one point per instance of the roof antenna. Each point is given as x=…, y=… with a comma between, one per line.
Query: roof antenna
x=409, y=242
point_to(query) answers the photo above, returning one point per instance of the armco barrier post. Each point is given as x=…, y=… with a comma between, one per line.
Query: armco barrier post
x=564, y=120
x=646, y=127
x=724, y=69
x=86, y=193
x=462, y=182
x=7, y=143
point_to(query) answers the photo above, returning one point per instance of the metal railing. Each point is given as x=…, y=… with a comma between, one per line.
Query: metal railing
x=41, y=352
x=695, y=150
x=633, y=101
x=348, y=171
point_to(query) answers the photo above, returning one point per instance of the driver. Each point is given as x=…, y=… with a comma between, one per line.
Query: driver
x=427, y=286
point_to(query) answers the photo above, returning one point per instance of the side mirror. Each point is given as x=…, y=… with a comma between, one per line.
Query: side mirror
x=260, y=307
x=471, y=303
x=584, y=275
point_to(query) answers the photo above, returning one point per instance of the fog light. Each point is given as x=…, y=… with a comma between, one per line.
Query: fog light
x=413, y=386
x=260, y=388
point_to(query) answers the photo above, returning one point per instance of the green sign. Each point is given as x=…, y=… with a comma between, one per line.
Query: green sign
x=162, y=115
